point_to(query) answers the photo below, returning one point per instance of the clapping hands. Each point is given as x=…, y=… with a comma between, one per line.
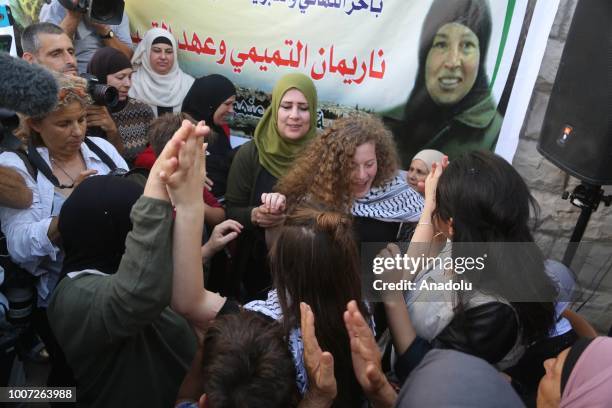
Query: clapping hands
x=180, y=170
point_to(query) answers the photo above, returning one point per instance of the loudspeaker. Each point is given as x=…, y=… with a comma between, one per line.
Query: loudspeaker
x=577, y=131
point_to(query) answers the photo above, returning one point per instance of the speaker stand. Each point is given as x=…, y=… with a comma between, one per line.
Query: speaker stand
x=586, y=197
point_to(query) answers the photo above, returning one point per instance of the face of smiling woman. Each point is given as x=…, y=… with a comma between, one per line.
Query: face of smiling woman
x=452, y=64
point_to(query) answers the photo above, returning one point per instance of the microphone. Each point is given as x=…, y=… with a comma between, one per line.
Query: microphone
x=26, y=88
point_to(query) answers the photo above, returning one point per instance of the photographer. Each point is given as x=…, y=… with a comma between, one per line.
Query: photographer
x=48, y=45
x=88, y=36
x=63, y=157
x=131, y=117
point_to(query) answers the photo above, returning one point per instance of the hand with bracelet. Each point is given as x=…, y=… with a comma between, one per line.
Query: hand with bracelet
x=426, y=232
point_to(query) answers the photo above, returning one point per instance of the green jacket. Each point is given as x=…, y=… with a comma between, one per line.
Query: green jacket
x=125, y=345
x=476, y=128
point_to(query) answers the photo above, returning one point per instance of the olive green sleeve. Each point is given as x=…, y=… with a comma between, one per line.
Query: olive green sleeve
x=240, y=184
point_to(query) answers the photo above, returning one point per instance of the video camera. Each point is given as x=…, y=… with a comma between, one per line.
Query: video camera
x=102, y=94
x=100, y=11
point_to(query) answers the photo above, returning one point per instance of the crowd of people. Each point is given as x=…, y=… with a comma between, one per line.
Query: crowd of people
x=173, y=269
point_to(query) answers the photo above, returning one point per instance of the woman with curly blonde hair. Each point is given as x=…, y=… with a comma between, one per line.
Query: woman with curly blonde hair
x=63, y=157
x=353, y=167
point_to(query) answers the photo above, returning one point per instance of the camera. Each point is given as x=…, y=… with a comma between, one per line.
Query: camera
x=101, y=94
x=99, y=11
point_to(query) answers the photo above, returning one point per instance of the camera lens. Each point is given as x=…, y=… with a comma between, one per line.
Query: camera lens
x=107, y=11
x=105, y=95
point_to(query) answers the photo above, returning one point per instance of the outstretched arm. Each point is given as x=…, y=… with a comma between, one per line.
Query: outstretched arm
x=425, y=241
x=189, y=297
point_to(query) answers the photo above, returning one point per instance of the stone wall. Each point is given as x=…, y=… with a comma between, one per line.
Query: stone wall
x=558, y=217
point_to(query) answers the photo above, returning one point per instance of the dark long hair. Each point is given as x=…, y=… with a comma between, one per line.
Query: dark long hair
x=423, y=118
x=315, y=260
x=490, y=206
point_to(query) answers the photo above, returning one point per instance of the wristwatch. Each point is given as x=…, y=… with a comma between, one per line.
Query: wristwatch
x=109, y=36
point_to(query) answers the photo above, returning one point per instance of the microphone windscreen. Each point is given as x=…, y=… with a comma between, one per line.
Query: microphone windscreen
x=26, y=88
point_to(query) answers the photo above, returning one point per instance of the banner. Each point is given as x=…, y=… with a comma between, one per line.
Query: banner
x=435, y=70
x=362, y=55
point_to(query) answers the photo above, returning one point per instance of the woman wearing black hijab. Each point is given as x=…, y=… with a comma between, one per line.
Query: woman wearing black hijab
x=211, y=99
x=131, y=117
x=450, y=108
x=110, y=312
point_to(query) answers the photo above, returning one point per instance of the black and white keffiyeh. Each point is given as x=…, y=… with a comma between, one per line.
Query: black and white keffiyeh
x=395, y=201
x=271, y=308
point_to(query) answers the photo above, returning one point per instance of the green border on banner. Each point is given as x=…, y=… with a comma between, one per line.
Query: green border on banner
x=504, y=38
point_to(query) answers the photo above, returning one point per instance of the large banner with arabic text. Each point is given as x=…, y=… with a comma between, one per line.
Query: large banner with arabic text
x=434, y=69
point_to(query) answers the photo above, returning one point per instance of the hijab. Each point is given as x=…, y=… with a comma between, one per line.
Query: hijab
x=107, y=61
x=423, y=118
x=586, y=377
x=449, y=378
x=150, y=87
x=205, y=96
x=94, y=222
x=429, y=157
x=276, y=154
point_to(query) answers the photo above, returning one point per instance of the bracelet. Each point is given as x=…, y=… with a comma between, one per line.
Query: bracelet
x=424, y=223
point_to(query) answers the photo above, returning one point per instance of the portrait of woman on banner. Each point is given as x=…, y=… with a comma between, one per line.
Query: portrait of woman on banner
x=451, y=108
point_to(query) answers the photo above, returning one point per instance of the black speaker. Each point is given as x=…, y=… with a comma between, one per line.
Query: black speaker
x=577, y=131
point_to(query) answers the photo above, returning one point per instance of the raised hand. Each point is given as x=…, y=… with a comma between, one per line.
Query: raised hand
x=367, y=359
x=166, y=163
x=319, y=364
x=431, y=182
x=186, y=183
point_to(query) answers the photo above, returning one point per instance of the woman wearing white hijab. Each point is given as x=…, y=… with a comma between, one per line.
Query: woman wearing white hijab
x=158, y=80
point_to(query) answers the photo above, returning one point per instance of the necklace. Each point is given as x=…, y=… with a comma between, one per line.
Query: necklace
x=63, y=171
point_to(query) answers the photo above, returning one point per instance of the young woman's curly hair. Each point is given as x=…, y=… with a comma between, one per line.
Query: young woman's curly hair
x=322, y=173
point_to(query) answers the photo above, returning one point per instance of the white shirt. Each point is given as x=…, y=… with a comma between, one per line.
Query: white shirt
x=26, y=230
